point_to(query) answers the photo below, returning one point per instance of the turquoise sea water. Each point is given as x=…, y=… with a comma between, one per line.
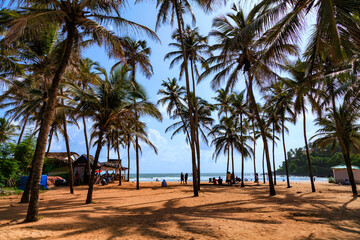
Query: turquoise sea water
x=175, y=177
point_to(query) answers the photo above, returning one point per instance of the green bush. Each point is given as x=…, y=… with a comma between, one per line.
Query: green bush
x=331, y=180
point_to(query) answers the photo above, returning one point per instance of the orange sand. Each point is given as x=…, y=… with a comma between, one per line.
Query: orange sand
x=220, y=212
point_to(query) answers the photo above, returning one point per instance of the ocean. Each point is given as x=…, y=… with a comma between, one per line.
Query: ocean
x=175, y=177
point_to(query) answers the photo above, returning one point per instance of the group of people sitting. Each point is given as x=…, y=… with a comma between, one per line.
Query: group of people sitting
x=230, y=179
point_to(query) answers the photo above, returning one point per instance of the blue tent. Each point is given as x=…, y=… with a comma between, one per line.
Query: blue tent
x=43, y=182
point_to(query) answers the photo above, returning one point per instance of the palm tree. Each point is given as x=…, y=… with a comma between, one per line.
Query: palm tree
x=86, y=75
x=226, y=138
x=303, y=90
x=77, y=20
x=137, y=55
x=237, y=37
x=7, y=130
x=346, y=133
x=281, y=98
x=177, y=8
x=239, y=110
x=107, y=103
x=332, y=27
x=195, y=47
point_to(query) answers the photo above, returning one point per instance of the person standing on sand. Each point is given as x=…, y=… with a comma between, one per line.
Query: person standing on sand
x=186, y=177
x=182, y=178
x=228, y=178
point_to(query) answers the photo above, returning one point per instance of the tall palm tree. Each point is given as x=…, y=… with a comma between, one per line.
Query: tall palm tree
x=195, y=47
x=239, y=110
x=347, y=135
x=237, y=36
x=137, y=56
x=280, y=97
x=76, y=20
x=303, y=90
x=107, y=102
x=176, y=8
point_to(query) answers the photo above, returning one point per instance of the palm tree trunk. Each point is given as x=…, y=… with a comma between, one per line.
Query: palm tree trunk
x=307, y=151
x=23, y=129
x=228, y=160
x=273, y=151
x=242, y=155
x=66, y=137
x=88, y=164
x=118, y=153
x=254, y=147
x=26, y=194
x=232, y=162
x=50, y=138
x=71, y=171
x=108, y=149
x=192, y=125
x=196, y=124
x=263, y=164
x=263, y=134
x=286, y=165
x=128, y=153
x=32, y=213
x=342, y=145
x=96, y=160
x=350, y=173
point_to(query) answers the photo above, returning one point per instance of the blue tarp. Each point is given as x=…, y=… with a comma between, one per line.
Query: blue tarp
x=43, y=182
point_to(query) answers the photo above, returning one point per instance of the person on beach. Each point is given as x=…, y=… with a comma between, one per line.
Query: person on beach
x=186, y=177
x=182, y=178
x=163, y=183
x=228, y=178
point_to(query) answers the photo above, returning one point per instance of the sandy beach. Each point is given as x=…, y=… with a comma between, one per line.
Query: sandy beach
x=220, y=212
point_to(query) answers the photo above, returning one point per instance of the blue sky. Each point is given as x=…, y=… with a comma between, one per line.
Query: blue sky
x=174, y=154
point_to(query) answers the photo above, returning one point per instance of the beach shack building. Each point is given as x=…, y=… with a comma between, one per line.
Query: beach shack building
x=113, y=165
x=57, y=163
x=341, y=174
x=80, y=166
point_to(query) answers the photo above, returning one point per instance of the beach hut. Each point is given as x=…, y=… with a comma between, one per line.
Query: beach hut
x=340, y=174
x=80, y=167
x=113, y=165
x=57, y=163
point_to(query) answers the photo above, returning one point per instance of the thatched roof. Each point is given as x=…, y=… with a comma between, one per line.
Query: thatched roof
x=82, y=161
x=112, y=163
x=61, y=157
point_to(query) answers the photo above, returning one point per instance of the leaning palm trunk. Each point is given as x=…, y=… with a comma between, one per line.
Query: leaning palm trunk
x=342, y=145
x=50, y=139
x=71, y=171
x=32, y=213
x=23, y=129
x=96, y=160
x=273, y=152
x=232, y=163
x=192, y=125
x=286, y=165
x=66, y=137
x=26, y=194
x=88, y=163
x=307, y=152
x=262, y=131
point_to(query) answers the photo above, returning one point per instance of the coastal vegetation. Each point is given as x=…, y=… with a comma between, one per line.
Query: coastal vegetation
x=49, y=85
